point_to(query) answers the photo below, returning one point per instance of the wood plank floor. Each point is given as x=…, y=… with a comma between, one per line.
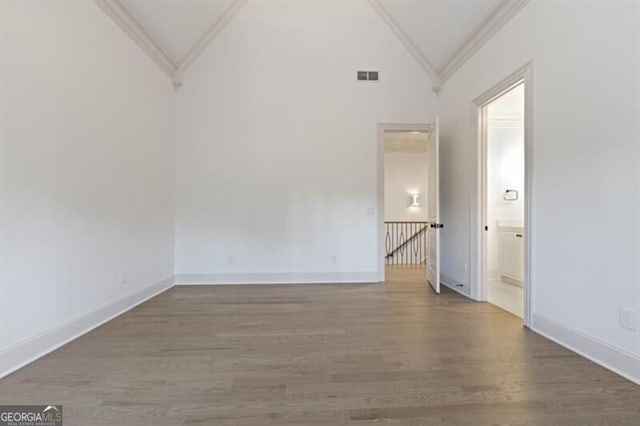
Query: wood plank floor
x=393, y=354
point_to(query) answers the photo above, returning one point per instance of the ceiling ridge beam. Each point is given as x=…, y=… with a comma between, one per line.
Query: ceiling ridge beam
x=503, y=14
x=132, y=28
x=201, y=45
x=408, y=43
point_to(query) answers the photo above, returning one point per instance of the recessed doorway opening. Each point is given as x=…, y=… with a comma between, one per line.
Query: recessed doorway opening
x=408, y=203
x=405, y=198
x=504, y=195
x=503, y=119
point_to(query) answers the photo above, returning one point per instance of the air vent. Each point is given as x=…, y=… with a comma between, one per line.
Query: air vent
x=368, y=75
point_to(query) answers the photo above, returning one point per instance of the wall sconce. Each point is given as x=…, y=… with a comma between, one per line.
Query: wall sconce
x=414, y=200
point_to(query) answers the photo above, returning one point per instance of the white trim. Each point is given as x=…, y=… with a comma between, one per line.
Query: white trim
x=121, y=17
x=448, y=281
x=406, y=127
x=174, y=69
x=17, y=356
x=382, y=128
x=216, y=28
x=505, y=12
x=406, y=41
x=278, y=278
x=477, y=184
x=617, y=360
x=506, y=122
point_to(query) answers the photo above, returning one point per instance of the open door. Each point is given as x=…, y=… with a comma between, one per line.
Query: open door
x=433, y=210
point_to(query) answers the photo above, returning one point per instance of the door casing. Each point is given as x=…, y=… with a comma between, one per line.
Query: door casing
x=478, y=211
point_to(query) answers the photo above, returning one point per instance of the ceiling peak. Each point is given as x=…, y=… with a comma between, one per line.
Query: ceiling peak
x=219, y=24
x=413, y=49
x=174, y=67
x=121, y=16
x=500, y=18
x=439, y=35
x=409, y=27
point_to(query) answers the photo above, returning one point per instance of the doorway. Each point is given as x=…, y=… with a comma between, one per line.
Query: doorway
x=503, y=121
x=503, y=251
x=403, y=198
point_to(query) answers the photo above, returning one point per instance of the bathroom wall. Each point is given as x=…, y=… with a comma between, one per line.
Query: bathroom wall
x=505, y=170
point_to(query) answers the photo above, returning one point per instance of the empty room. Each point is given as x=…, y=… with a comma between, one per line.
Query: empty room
x=319, y=212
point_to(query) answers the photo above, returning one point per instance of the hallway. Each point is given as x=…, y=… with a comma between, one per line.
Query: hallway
x=321, y=354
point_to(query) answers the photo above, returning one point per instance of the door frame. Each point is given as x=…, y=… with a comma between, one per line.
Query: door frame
x=479, y=289
x=382, y=128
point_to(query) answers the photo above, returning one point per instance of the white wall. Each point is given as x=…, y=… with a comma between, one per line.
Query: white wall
x=405, y=173
x=86, y=183
x=586, y=156
x=277, y=143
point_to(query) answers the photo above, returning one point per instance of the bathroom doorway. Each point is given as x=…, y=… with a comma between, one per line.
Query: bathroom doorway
x=503, y=201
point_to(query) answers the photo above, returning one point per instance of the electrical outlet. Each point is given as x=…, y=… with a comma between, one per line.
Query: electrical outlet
x=122, y=278
x=627, y=319
x=230, y=260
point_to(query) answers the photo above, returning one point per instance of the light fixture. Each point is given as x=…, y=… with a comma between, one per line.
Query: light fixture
x=414, y=200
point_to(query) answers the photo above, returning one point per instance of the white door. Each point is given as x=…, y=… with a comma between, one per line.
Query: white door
x=433, y=210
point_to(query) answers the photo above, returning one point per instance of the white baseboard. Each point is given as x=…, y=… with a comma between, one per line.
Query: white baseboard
x=17, y=356
x=617, y=360
x=448, y=282
x=278, y=278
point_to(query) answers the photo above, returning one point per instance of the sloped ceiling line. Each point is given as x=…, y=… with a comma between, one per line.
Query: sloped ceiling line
x=481, y=37
x=174, y=69
x=136, y=32
x=413, y=49
x=119, y=14
x=201, y=45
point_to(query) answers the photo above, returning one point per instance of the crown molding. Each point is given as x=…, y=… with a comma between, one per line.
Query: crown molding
x=404, y=38
x=121, y=17
x=505, y=12
x=201, y=45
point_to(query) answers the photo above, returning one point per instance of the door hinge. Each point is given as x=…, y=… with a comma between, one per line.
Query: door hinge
x=486, y=228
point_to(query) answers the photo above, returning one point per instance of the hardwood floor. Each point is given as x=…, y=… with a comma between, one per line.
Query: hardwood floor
x=393, y=354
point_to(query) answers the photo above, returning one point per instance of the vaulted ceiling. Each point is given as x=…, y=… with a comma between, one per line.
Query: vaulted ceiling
x=177, y=26
x=440, y=34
